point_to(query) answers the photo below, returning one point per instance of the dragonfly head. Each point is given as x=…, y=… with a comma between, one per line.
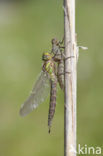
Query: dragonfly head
x=46, y=56
x=54, y=41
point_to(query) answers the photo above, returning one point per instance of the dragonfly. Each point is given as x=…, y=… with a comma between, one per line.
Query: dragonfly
x=46, y=81
x=59, y=57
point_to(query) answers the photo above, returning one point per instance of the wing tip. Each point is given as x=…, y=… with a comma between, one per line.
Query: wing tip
x=24, y=111
x=21, y=113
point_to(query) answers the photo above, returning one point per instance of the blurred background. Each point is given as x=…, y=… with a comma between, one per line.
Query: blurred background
x=26, y=30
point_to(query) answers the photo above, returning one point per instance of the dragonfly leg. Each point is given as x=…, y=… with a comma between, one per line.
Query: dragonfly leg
x=62, y=47
x=61, y=42
x=69, y=57
x=64, y=73
x=65, y=58
x=67, y=72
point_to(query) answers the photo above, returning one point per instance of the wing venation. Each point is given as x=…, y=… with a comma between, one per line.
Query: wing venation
x=38, y=95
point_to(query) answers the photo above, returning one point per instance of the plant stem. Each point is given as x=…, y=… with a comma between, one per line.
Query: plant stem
x=70, y=79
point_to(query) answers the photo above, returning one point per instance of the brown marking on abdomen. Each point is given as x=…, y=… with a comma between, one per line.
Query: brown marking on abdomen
x=52, y=104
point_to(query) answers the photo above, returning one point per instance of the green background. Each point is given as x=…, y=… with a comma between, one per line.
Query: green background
x=26, y=30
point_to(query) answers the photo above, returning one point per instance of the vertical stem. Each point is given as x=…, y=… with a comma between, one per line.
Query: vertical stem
x=70, y=79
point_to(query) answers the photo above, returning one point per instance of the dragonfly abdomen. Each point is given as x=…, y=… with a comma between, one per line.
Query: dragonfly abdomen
x=52, y=104
x=61, y=74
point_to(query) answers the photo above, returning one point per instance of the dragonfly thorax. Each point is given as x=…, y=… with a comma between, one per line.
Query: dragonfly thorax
x=49, y=67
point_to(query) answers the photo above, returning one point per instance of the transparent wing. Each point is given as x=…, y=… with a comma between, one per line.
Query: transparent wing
x=38, y=95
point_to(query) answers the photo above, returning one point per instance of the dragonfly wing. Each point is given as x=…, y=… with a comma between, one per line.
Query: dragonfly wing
x=38, y=95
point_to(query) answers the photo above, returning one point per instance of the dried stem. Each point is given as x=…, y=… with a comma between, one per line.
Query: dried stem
x=70, y=79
